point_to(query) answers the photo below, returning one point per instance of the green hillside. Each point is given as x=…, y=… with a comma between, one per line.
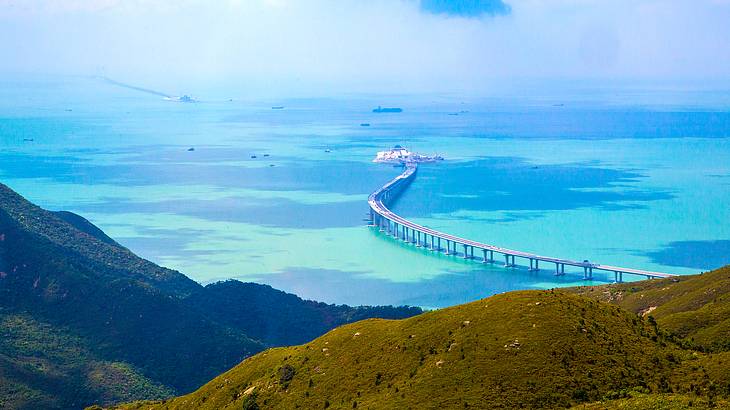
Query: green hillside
x=694, y=308
x=83, y=320
x=529, y=349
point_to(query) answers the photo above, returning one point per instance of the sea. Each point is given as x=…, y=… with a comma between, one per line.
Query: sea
x=223, y=188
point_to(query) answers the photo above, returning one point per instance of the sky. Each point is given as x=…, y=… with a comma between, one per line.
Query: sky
x=373, y=45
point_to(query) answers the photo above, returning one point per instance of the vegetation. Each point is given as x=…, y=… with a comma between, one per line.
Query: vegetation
x=528, y=349
x=694, y=309
x=546, y=349
x=83, y=320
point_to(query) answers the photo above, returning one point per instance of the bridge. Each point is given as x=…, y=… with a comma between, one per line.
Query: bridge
x=421, y=236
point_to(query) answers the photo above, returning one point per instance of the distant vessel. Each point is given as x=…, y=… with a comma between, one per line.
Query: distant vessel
x=386, y=109
x=400, y=155
x=191, y=149
x=185, y=99
x=365, y=124
x=277, y=107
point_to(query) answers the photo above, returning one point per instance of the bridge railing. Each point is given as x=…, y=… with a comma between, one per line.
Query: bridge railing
x=388, y=221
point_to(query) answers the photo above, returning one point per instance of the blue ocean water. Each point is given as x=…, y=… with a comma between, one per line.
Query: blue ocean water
x=629, y=176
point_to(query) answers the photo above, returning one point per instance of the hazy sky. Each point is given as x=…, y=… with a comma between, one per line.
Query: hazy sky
x=356, y=45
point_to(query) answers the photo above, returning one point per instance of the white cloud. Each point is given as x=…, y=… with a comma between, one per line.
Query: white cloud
x=356, y=45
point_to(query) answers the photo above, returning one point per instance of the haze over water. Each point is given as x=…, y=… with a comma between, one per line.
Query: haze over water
x=637, y=176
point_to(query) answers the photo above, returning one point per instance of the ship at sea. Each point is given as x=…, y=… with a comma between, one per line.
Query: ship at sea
x=184, y=98
x=401, y=155
x=387, y=109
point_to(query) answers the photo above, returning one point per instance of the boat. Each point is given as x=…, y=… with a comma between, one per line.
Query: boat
x=191, y=149
x=387, y=109
x=365, y=124
x=277, y=107
x=184, y=98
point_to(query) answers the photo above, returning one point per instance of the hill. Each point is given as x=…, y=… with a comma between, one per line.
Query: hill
x=695, y=309
x=528, y=349
x=84, y=320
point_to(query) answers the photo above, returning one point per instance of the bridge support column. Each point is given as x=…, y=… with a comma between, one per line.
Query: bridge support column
x=466, y=254
x=448, y=247
x=484, y=260
x=506, y=261
x=616, y=277
x=418, y=241
x=432, y=240
x=537, y=264
x=590, y=273
x=439, y=244
x=472, y=253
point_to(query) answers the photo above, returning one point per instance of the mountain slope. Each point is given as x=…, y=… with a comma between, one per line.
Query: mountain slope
x=85, y=320
x=278, y=318
x=695, y=308
x=531, y=349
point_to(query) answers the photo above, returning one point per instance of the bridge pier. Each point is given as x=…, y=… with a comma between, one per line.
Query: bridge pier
x=507, y=263
x=618, y=276
x=380, y=216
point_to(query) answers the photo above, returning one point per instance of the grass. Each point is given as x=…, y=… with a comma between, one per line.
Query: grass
x=83, y=320
x=694, y=308
x=531, y=349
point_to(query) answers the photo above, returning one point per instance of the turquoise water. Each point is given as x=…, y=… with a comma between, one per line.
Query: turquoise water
x=627, y=176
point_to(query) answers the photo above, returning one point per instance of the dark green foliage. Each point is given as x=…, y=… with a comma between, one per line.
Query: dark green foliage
x=286, y=374
x=249, y=402
x=278, y=318
x=103, y=325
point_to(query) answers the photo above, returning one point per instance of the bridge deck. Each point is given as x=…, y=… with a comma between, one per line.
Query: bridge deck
x=380, y=214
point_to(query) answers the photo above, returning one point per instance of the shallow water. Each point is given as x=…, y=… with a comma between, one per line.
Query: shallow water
x=636, y=178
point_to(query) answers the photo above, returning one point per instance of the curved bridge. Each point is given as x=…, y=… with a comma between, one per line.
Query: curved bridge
x=422, y=236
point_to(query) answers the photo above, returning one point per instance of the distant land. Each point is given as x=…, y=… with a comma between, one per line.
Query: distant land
x=83, y=320
x=658, y=344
